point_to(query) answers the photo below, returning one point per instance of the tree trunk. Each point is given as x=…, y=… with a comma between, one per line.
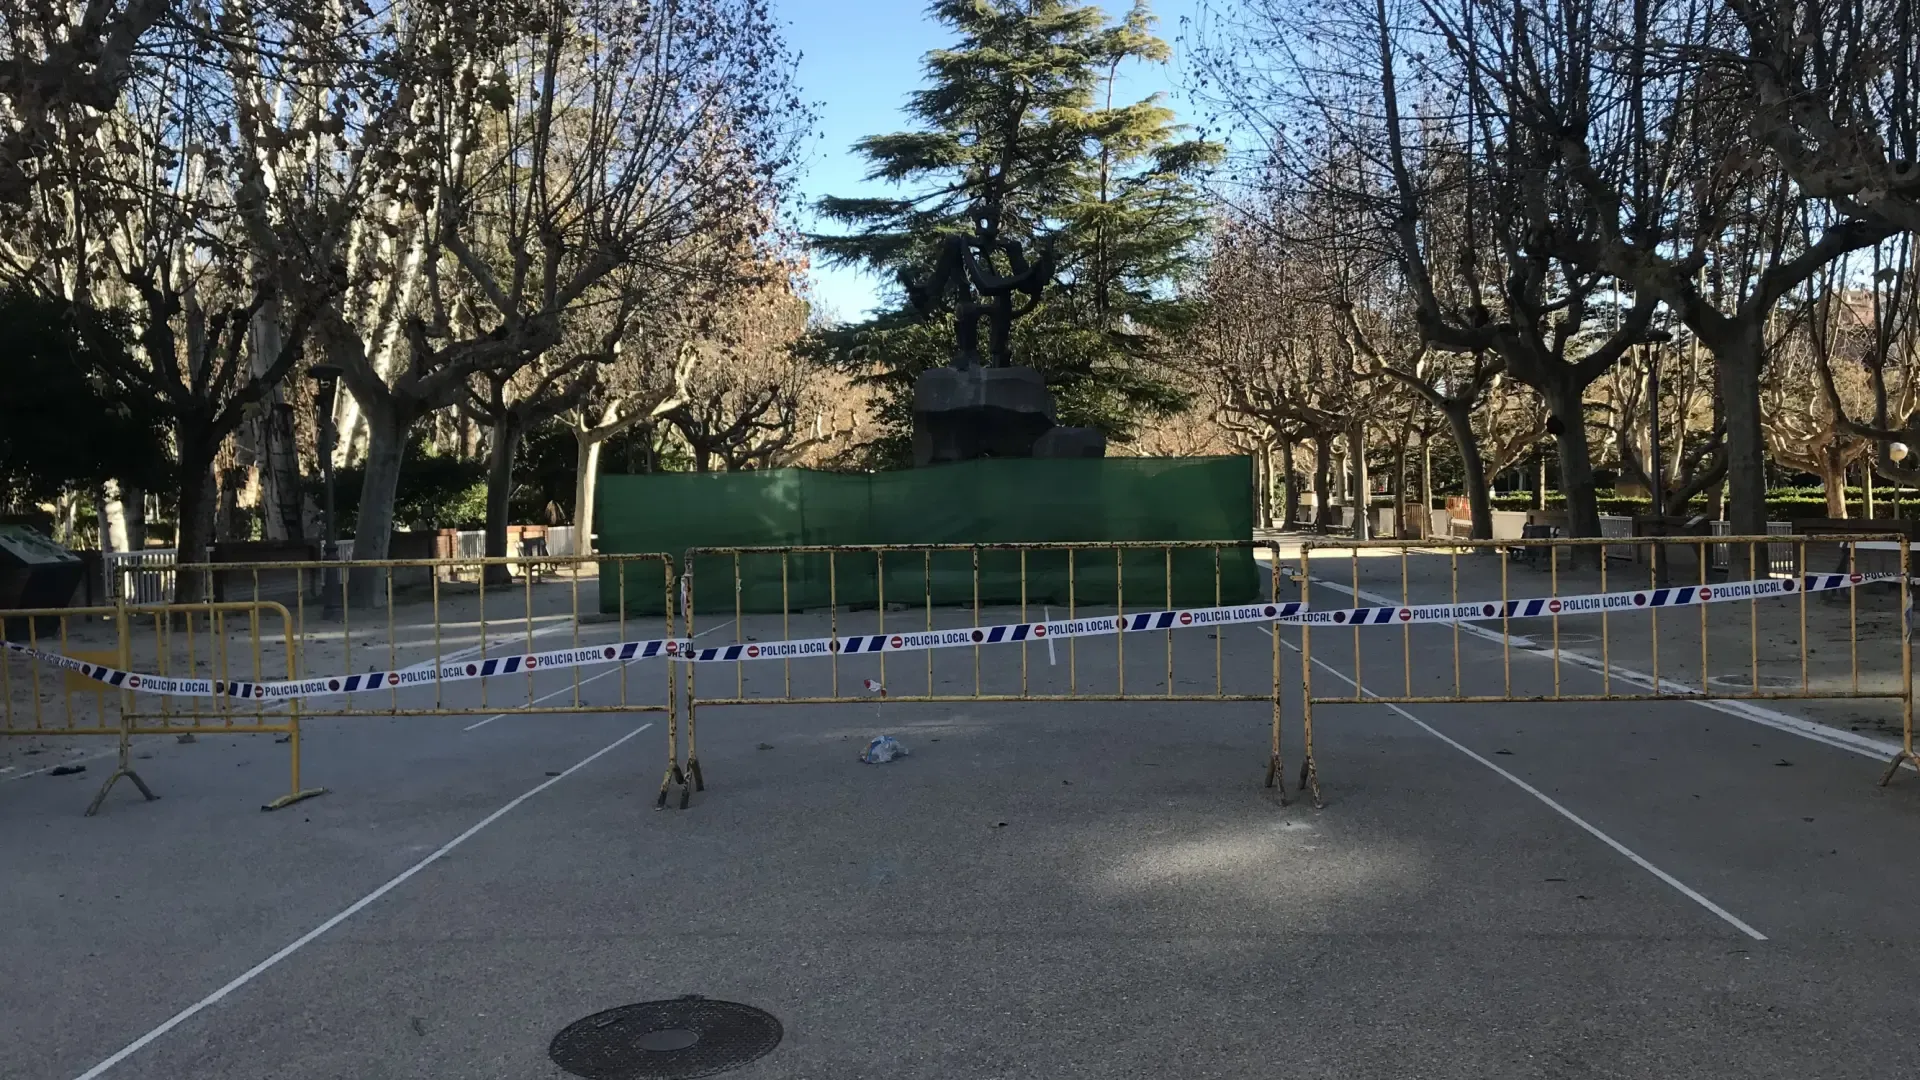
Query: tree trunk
x=1459, y=416
x=1867, y=508
x=1290, y=489
x=198, y=500
x=388, y=426
x=1259, y=500
x=1736, y=365
x=1400, y=503
x=1361, y=502
x=1833, y=482
x=1263, y=485
x=1539, y=479
x=1322, y=481
x=1426, y=483
x=229, y=522
x=275, y=452
x=586, y=485
x=506, y=440
x=123, y=517
x=99, y=495
x=1576, y=470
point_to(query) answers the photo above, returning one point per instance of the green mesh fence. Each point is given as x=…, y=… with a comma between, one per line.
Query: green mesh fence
x=979, y=502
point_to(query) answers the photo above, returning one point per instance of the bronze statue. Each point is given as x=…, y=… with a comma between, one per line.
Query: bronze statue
x=965, y=270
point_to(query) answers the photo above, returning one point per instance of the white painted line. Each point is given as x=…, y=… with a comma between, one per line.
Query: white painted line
x=355, y=908
x=582, y=682
x=1882, y=750
x=548, y=697
x=72, y=756
x=1047, y=613
x=1679, y=886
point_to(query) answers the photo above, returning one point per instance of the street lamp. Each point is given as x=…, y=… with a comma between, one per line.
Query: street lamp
x=326, y=384
x=1898, y=452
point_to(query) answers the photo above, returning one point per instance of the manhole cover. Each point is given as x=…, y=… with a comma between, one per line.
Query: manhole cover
x=665, y=1040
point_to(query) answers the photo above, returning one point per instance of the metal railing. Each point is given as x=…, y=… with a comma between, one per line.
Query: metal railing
x=876, y=599
x=386, y=638
x=90, y=671
x=1608, y=616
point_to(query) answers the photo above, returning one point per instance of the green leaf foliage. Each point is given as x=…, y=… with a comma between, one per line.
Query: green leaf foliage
x=66, y=421
x=1018, y=126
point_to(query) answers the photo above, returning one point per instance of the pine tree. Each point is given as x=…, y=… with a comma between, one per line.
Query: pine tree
x=1017, y=128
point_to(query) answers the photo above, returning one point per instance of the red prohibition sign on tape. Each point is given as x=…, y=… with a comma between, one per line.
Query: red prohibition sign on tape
x=1553, y=606
x=1406, y=614
x=1039, y=629
x=1186, y=618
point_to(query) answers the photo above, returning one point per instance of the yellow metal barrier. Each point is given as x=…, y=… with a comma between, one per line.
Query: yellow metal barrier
x=1387, y=583
x=388, y=614
x=442, y=634
x=188, y=641
x=1095, y=580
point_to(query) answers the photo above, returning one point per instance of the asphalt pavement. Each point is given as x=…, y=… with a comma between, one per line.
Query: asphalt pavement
x=1041, y=889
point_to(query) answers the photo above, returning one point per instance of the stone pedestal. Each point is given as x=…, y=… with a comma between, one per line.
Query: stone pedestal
x=959, y=415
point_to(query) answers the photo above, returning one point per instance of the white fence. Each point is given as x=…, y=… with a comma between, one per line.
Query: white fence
x=1780, y=557
x=139, y=577
x=146, y=576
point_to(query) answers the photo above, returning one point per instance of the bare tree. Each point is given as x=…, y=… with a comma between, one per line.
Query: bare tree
x=569, y=148
x=212, y=193
x=1865, y=345
x=1385, y=110
x=646, y=378
x=1833, y=90
x=1271, y=349
x=751, y=401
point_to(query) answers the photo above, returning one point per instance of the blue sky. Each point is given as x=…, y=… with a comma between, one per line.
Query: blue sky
x=859, y=60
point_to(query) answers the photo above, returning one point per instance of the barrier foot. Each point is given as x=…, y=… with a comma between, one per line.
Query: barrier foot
x=101, y=796
x=1893, y=767
x=693, y=767
x=290, y=798
x=1276, y=777
x=1310, y=782
x=674, y=776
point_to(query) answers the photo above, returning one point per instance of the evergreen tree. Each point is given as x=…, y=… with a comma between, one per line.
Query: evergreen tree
x=68, y=419
x=1018, y=129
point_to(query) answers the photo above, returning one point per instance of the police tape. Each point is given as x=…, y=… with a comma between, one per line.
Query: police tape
x=423, y=674
x=1590, y=603
x=1288, y=612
